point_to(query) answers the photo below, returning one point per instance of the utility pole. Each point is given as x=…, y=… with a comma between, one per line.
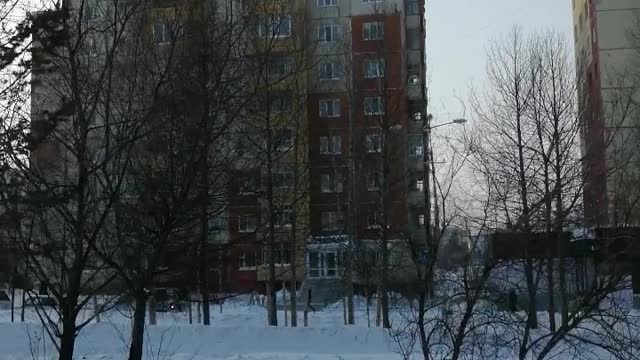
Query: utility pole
x=426, y=140
x=431, y=245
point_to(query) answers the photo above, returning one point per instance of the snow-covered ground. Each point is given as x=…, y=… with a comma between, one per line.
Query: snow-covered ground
x=239, y=332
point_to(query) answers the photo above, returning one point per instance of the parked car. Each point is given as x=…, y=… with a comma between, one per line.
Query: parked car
x=5, y=301
x=168, y=300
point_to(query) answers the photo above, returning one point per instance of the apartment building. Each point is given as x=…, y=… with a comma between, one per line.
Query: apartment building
x=362, y=64
x=326, y=154
x=606, y=45
x=366, y=104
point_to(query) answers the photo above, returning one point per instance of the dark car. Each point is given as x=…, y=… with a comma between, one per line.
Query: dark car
x=42, y=300
x=168, y=300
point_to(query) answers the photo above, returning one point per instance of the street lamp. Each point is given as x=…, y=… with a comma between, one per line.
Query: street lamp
x=431, y=246
x=454, y=121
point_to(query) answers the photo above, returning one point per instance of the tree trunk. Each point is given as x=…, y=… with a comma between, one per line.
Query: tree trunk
x=137, y=333
x=272, y=312
x=422, y=298
x=284, y=304
x=199, y=312
x=378, y=308
x=294, y=275
x=306, y=307
x=368, y=300
x=564, y=306
x=552, y=301
x=96, y=309
x=203, y=266
x=293, y=295
x=68, y=338
x=532, y=314
x=350, y=310
x=348, y=287
x=384, y=308
x=152, y=310
x=344, y=310
x=24, y=292
x=206, y=310
x=13, y=301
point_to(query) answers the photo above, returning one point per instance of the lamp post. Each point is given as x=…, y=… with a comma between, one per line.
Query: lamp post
x=426, y=153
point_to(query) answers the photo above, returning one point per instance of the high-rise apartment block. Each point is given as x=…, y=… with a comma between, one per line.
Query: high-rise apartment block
x=606, y=48
x=328, y=154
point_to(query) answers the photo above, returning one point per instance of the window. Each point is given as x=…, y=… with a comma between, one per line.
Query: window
x=328, y=33
x=413, y=39
x=330, y=108
x=315, y=264
x=373, y=68
x=414, y=79
x=283, y=217
x=283, y=139
x=162, y=33
x=331, y=183
x=128, y=187
x=373, y=31
x=281, y=103
x=280, y=255
x=248, y=185
x=374, y=143
x=371, y=257
x=92, y=48
x=281, y=26
x=245, y=146
x=415, y=145
x=247, y=223
x=331, y=220
x=330, y=71
x=373, y=106
x=282, y=179
x=412, y=7
x=331, y=144
x=323, y=264
x=327, y=3
x=278, y=27
x=247, y=261
x=374, y=181
x=374, y=219
x=417, y=116
x=421, y=219
x=420, y=185
x=370, y=1
x=90, y=10
x=280, y=67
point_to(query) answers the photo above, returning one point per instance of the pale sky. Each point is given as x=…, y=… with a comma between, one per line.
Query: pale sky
x=458, y=32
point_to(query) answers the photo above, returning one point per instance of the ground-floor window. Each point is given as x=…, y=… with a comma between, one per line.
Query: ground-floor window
x=323, y=263
x=247, y=261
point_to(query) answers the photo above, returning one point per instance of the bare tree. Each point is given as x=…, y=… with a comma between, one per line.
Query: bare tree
x=85, y=120
x=276, y=132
